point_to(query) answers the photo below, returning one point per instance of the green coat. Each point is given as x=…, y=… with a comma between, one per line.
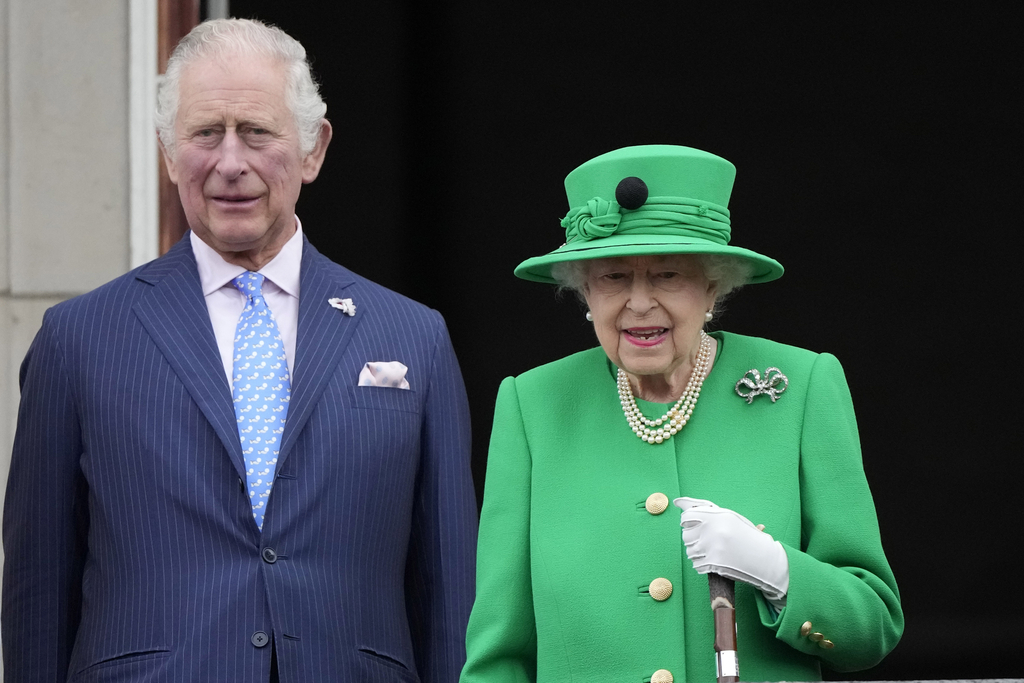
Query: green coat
x=567, y=548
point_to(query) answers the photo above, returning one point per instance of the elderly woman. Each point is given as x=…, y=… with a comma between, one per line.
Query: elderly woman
x=582, y=575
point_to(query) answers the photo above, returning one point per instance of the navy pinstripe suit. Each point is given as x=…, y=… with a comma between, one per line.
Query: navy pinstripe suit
x=131, y=550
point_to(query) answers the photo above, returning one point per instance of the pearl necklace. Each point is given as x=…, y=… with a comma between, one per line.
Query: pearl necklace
x=678, y=415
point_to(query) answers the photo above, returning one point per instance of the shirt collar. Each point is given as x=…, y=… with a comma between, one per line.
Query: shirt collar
x=282, y=270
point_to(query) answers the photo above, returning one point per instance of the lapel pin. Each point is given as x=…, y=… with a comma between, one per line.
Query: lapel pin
x=769, y=386
x=343, y=305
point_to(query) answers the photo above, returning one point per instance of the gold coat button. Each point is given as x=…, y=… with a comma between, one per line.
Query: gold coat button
x=806, y=629
x=656, y=503
x=816, y=637
x=826, y=645
x=661, y=676
x=660, y=589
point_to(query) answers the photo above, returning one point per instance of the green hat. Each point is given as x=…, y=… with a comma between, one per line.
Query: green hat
x=648, y=199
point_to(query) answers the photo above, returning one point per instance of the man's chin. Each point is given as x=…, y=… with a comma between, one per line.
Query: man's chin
x=231, y=239
x=243, y=237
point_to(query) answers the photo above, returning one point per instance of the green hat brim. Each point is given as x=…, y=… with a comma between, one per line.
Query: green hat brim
x=538, y=268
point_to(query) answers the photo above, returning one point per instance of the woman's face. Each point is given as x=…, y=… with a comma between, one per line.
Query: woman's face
x=648, y=310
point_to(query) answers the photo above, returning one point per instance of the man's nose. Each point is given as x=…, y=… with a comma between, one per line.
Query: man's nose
x=231, y=162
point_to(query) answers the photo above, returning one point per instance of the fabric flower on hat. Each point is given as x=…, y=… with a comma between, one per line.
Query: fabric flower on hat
x=599, y=218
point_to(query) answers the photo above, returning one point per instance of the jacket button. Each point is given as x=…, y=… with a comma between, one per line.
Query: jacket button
x=806, y=629
x=660, y=589
x=269, y=555
x=816, y=637
x=260, y=639
x=656, y=503
x=826, y=645
x=661, y=676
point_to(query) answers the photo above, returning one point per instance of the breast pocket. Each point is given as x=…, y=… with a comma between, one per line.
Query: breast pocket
x=385, y=398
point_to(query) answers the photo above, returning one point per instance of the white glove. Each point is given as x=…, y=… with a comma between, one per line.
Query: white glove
x=725, y=542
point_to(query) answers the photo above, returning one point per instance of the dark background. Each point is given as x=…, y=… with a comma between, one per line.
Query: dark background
x=877, y=155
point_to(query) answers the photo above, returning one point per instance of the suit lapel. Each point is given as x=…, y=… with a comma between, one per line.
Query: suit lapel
x=174, y=313
x=323, y=334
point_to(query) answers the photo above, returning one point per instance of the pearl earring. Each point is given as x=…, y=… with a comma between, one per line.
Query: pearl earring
x=590, y=316
x=708, y=316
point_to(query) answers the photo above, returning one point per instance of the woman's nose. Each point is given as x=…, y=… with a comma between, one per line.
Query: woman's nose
x=641, y=296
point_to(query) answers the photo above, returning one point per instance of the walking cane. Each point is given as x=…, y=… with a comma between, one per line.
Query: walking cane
x=723, y=605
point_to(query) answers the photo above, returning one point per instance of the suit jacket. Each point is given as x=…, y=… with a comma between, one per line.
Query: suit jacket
x=568, y=547
x=131, y=550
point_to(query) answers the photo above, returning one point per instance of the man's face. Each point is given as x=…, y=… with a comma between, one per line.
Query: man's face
x=237, y=161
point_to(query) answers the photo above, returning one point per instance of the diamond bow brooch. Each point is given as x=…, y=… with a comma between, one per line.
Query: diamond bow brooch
x=343, y=305
x=773, y=384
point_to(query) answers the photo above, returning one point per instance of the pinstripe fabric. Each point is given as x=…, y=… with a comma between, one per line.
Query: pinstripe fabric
x=131, y=551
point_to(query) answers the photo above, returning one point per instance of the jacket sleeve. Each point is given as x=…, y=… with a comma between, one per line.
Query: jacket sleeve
x=45, y=520
x=502, y=639
x=840, y=581
x=440, y=567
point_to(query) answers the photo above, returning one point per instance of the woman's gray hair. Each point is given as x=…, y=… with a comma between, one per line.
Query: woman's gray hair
x=728, y=273
x=233, y=37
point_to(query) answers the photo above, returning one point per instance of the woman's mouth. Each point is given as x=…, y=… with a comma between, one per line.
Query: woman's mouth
x=645, y=336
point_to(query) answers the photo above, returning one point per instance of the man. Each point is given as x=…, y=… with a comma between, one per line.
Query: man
x=239, y=462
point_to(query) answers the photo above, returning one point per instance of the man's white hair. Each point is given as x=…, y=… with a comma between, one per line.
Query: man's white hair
x=240, y=38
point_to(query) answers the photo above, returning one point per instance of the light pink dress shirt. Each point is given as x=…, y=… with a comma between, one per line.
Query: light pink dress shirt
x=225, y=303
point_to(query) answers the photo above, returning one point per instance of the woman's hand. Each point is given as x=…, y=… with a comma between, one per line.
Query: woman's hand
x=725, y=542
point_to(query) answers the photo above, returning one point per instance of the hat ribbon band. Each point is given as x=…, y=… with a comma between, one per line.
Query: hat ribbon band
x=658, y=216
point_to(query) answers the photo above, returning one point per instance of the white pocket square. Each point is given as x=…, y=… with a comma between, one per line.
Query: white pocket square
x=384, y=374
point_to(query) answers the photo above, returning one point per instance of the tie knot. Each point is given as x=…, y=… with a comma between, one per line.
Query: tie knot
x=250, y=284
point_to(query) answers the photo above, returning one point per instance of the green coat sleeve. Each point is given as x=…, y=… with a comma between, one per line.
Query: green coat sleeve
x=840, y=581
x=502, y=639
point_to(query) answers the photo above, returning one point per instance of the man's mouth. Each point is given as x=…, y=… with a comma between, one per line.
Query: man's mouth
x=235, y=203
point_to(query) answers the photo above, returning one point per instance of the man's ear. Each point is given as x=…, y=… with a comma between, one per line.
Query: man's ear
x=314, y=160
x=172, y=170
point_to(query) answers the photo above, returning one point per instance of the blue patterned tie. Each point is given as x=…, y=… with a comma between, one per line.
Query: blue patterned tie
x=260, y=389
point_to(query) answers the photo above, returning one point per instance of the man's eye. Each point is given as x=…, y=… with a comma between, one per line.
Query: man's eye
x=205, y=133
x=258, y=131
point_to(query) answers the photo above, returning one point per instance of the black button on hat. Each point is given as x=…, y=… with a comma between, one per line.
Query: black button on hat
x=631, y=193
